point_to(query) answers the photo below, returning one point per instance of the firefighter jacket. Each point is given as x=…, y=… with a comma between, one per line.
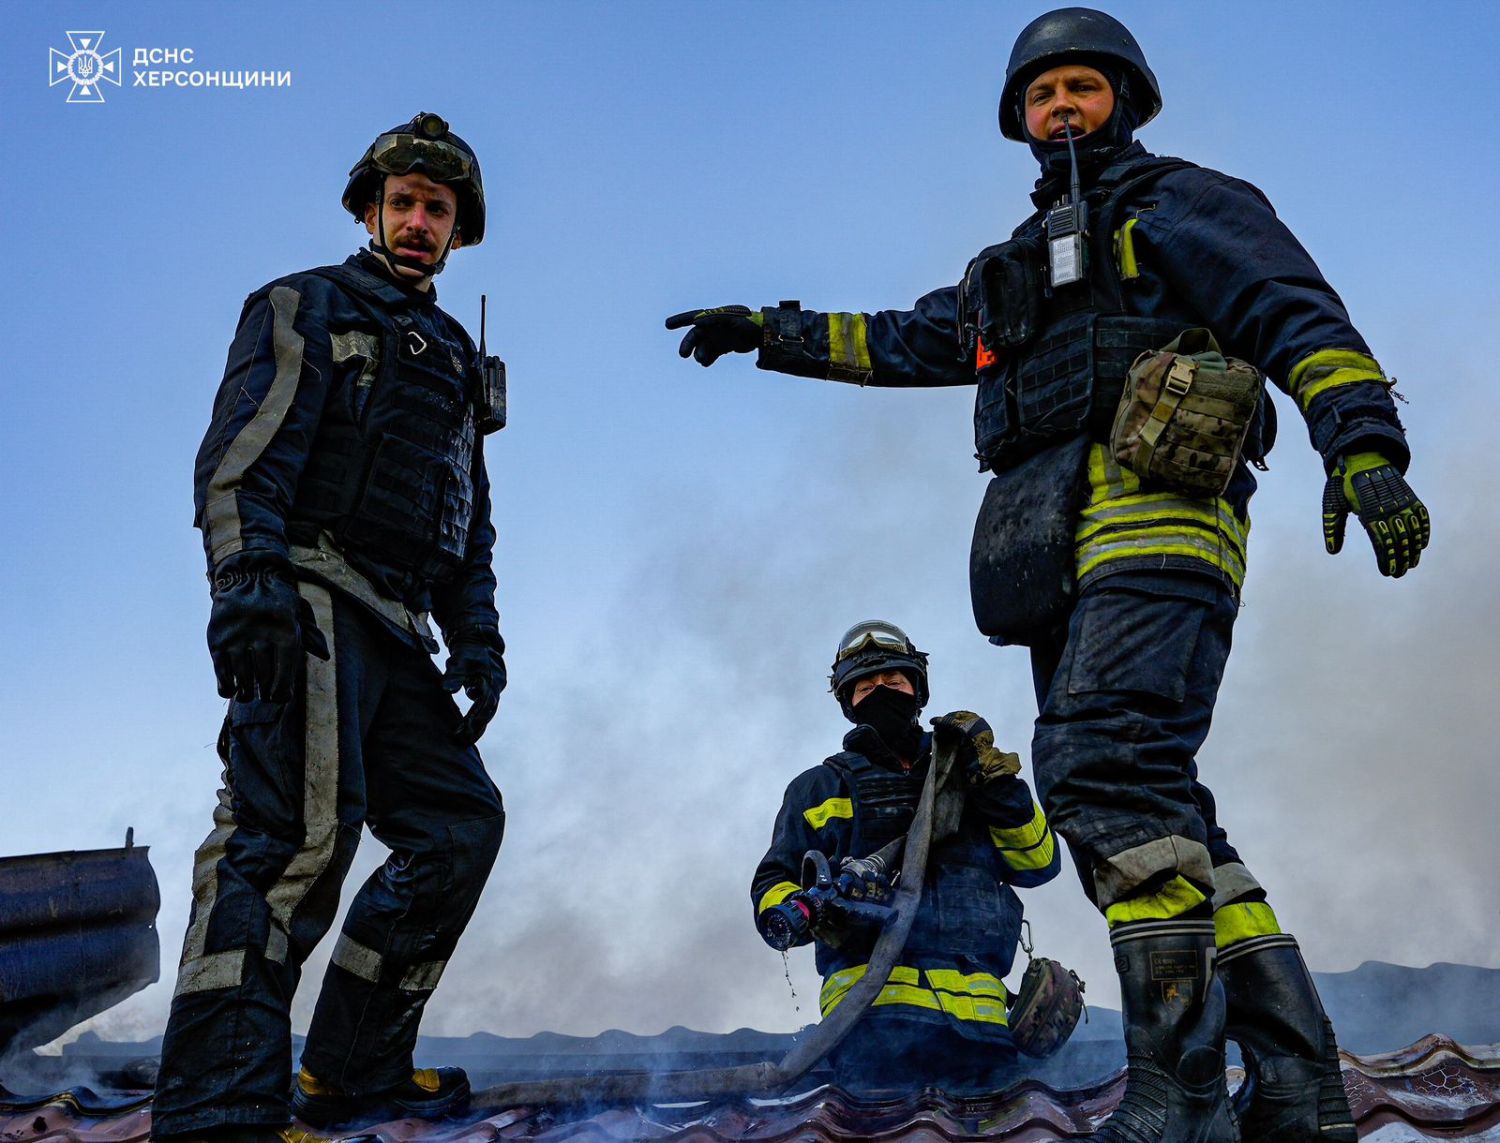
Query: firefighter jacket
x=343, y=441
x=963, y=940
x=1172, y=246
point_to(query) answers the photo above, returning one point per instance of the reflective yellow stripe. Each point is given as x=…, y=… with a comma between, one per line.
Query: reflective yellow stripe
x=775, y=895
x=1328, y=369
x=1234, y=923
x=1030, y=846
x=848, y=345
x=819, y=816
x=1163, y=541
x=1125, y=251
x=979, y=996
x=1122, y=522
x=1173, y=899
x=1025, y=836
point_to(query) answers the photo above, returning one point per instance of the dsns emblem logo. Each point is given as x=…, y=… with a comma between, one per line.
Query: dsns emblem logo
x=85, y=68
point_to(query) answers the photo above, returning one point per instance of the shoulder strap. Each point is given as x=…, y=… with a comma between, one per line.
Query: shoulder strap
x=848, y=762
x=362, y=284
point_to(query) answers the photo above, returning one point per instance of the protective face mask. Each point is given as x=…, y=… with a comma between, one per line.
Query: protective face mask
x=892, y=714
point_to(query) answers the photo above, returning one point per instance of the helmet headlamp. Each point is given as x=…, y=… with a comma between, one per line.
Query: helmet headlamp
x=431, y=125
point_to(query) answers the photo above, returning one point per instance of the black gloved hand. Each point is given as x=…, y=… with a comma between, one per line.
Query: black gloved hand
x=982, y=760
x=715, y=332
x=476, y=663
x=1397, y=522
x=259, y=629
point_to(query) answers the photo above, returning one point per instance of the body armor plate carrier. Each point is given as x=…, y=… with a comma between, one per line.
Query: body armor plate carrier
x=966, y=909
x=1052, y=366
x=392, y=474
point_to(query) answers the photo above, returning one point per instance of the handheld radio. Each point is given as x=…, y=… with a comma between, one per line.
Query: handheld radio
x=490, y=414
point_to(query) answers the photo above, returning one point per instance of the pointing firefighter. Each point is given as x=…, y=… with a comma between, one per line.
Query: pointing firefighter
x=342, y=496
x=1118, y=343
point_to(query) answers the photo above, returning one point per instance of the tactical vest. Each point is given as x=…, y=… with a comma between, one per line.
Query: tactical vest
x=390, y=475
x=1051, y=366
x=966, y=909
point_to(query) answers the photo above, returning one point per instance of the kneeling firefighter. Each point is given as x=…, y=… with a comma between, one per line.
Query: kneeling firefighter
x=941, y=1017
x=1119, y=341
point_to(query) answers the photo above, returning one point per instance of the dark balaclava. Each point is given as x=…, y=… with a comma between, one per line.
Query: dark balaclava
x=892, y=715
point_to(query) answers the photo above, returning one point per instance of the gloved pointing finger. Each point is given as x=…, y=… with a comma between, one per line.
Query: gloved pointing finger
x=715, y=332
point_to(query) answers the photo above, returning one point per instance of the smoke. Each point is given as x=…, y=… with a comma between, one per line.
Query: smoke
x=645, y=743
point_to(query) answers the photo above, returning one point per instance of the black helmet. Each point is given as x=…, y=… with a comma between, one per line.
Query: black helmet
x=1080, y=35
x=871, y=647
x=427, y=146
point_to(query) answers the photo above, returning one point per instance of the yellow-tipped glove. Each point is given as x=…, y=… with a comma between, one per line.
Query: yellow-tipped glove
x=1378, y=494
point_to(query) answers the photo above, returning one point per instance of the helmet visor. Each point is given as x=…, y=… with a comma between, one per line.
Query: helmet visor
x=402, y=153
x=863, y=636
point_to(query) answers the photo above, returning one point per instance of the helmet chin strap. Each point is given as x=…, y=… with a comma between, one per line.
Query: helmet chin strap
x=426, y=269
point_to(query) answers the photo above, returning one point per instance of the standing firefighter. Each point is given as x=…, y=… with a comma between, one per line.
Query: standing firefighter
x=342, y=496
x=1112, y=540
x=941, y=1017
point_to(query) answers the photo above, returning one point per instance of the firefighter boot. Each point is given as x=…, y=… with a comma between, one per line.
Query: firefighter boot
x=1294, y=1089
x=431, y=1093
x=1174, y=1037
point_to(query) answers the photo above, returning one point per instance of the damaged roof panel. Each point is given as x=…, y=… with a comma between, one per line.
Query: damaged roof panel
x=1433, y=1089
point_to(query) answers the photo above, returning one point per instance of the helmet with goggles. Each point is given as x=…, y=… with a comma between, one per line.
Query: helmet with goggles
x=870, y=648
x=428, y=147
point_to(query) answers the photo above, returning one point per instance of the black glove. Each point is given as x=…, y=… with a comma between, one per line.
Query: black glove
x=1397, y=522
x=715, y=332
x=476, y=663
x=982, y=760
x=259, y=629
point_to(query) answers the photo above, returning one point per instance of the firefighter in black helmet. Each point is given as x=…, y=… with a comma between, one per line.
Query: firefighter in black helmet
x=941, y=1018
x=1117, y=341
x=344, y=502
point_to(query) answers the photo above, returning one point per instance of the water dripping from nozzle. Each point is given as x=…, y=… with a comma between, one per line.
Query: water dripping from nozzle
x=786, y=970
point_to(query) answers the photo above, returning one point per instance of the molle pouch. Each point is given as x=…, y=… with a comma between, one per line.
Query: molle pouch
x=1003, y=290
x=1183, y=418
x=1022, y=573
x=489, y=401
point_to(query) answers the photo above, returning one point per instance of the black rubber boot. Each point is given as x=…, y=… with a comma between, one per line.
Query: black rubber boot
x=1174, y=1037
x=1294, y=1088
x=431, y=1093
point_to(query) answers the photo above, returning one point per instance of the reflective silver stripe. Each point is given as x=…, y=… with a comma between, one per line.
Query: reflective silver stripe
x=1232, y=881
x=329, y=565
x=423, y=977
x=222, y=510
x=276, y=944
x=216, y=970
x=320, y=758
x=351, y=956
x=1117, y=877
x=206, y=893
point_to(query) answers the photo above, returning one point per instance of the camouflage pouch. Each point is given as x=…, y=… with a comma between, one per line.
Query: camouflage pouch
x=1046, y=1010
x=1182, y=421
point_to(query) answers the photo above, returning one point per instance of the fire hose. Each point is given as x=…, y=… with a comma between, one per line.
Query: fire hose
x=937, y=817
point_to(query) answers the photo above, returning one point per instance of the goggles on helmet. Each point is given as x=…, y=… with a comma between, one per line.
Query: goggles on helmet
x=402, y=153
x=862, y=636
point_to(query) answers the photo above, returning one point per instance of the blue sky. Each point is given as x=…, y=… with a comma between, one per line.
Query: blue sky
x=680, y=548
